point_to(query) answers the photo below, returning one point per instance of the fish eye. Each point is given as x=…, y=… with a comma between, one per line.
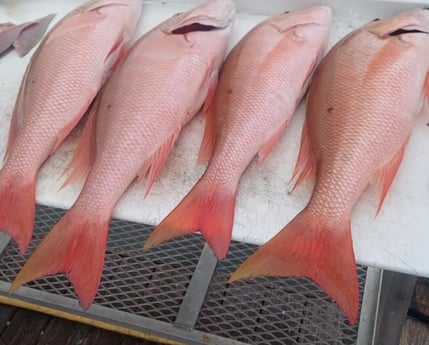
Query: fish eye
x=376, y=19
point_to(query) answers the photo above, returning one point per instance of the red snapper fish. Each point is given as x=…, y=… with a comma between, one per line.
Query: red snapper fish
x=360, y=109
x=263, y=79
x=160, y=85
x=61, y=80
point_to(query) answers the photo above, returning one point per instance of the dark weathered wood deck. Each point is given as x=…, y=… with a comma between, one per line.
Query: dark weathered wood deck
x=25, y=327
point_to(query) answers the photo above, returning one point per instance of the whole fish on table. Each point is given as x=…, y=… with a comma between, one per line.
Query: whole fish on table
x=360, y=109
x=160, y=85
x=262, y=81
x=63, y=77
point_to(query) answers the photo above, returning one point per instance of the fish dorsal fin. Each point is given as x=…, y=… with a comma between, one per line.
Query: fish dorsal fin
x=84, y=154
x=269, y=144
x=152, y=166
x=387, y=174
x=305, y=166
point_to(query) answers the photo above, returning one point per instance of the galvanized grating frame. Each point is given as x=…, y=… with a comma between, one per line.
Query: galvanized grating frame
x=179, y=291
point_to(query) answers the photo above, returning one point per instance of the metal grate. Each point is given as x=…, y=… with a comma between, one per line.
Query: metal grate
x=153, y=285
x=147, y=284
x=278, y=311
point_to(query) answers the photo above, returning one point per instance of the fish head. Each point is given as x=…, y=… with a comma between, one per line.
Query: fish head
x=209, y=22
x=316, y=16
x=305, y=30
x=309, y=27
x=210, y=15
x=405, y=31
x=414, y=21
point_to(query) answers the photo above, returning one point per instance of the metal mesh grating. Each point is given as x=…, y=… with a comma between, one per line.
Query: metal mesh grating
x=255, y=311
x=148, y=284
x=275, y=311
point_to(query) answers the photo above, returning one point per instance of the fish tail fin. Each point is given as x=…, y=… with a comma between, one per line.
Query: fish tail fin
x=75, y=246
x=311, y=247
x=17, y=209
x=207, y=208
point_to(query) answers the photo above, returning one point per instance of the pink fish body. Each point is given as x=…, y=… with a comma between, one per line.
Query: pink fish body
x=360, y=109
x=61, y=80
x=262, y=81
x=160, y=85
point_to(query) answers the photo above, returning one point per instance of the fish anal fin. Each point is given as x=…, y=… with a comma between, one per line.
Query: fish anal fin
x=305, y=166
x=268, y=146
x=17, y=209
x=313, y=248
x=75, y=246
x=387, y=174
x=152, y=166
x=84, y=154
x=207, y=208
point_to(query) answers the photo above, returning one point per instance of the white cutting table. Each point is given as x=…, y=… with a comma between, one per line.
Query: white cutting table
x=397, y=240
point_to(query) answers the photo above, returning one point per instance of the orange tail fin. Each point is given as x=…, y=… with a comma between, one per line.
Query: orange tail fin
x=315, y=248
x=75, y=246
x=207, y=208
x=17, y=209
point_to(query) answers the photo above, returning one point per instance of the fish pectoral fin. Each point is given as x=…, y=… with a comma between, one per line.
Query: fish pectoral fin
x=152, y=166
x=268, y=146
x=84, y=154
x=305, y=166
x=387, y=174
x=312, y=247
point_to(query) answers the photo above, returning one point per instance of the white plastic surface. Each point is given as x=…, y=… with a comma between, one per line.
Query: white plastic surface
x=398, y=239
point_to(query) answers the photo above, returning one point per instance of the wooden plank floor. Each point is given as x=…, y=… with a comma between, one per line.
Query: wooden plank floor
x=25, y=327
